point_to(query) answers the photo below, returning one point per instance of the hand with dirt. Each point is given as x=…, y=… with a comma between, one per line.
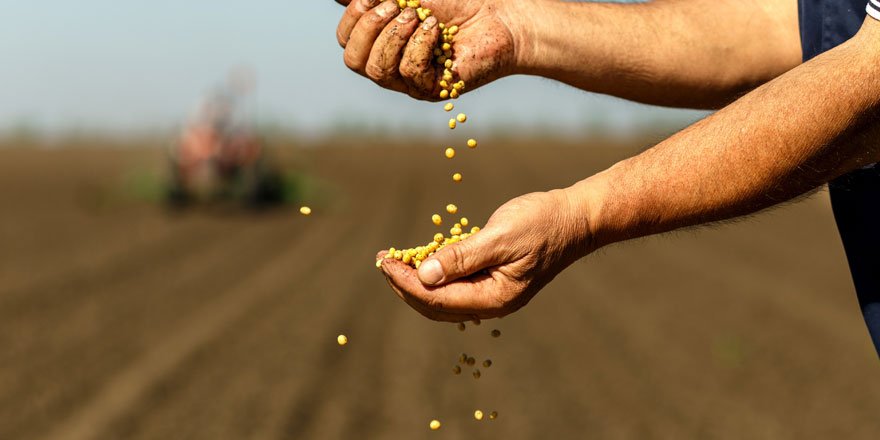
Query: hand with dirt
x=496, y=271
x=391, y=47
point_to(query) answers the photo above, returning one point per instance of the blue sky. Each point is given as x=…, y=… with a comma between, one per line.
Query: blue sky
x=131, y=65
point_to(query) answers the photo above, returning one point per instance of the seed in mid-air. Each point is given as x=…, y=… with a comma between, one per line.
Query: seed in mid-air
x=471, y=361
x=464, y=222
x=496, y=333
x=478, y=415
x=444, y=94
x=461, y=118
x=451, y=121
x=493, y=415
x=456, y=177
x=453, y=94
x=450, y=153
x=461, y=326
x=487, y=363
x=437, y=219
x=463, y=358
x=477, y=373
x=449, y=106
x=472, y=143
x=456, y=370
x=305, y=210
x=342, y=339
x=452, y=209
x=434, y=425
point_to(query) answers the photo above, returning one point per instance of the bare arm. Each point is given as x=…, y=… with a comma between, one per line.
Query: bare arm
x=683, y=53
x=800, y=130
x=789, y=136
x=687, y=53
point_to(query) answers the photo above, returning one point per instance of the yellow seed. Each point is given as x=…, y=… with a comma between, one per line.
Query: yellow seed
x=401, y=3
x=378, y=264
x=451, y=121
x=434, y=425
x=342, y=339
x=453, y=29
x=444, y=94
x=493, y=415
x=398, y=255
x=455, y=231
x=477, y=373
x=438, y=237
x=453, y=94
x=452, y=209
x=305, y=210
x=461, y=117
x=475, y=229
x=446, y=46
x=464, y=222
x=448, y=64
x=472, y=143
x=450, y=152
x=496, y=333
x=445, y=85
x=407, y=257
x=461, y=326
x=457, y=225
x=437, y=219
x=463, y=358
x=422, y=15
x=471, y=361
x=456, y=370
x=457, y=177
x=458, y=86
x=449, y=106
x=478, y=415
x=417, y=263
x=487, y=363
x=442, y=26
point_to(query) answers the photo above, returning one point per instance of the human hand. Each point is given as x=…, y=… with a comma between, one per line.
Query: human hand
x=392, y=48
x=496, y=271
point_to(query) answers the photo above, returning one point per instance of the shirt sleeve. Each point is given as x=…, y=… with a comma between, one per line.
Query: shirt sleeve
x=873, y=9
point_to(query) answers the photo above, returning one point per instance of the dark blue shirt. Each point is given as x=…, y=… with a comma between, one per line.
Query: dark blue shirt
x=855, y=197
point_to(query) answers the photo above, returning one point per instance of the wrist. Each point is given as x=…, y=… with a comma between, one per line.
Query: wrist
x=524, y=21
x=588, y=210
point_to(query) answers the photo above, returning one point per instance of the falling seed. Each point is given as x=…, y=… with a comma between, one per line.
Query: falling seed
x=463, y=358
x=493, y=415
x=496, y=333
x=461, y=326
x=478, y=415
x=305, y=210
x=342, y=339
x=434, y=425
x=456, y=370
x=477, y=373
x=487, y=363
x=471, y=361
x=464, y=222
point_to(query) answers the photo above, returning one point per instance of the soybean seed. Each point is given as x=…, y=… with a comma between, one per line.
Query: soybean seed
x=493, y=415
x=456, y=177
x=456, y=370
x=452, y=209
x=471, y=361
x=478, y=415
x=437, y=219
x=450, y=152
x=464, y=222
x=445, y=94
x=434, y=425
x=496, y=333
x=472, y=143
x=463, y=358
x=461, y=326
x=487, y=363
x=461, y=118
x=451, y=121
x=305, y=210
x=449, y=106
x=342, y=339
x=477, y=373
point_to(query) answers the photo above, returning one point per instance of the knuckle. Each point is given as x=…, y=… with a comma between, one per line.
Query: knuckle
x=457, y=265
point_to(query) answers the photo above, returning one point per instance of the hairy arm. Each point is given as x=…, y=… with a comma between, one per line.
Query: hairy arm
x=797, y=132
x=682, y=53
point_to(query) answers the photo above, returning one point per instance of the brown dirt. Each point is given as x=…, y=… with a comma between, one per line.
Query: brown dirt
x=118, y=320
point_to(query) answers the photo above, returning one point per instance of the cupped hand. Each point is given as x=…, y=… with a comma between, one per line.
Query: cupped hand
x=395, y=50
x=498, y=270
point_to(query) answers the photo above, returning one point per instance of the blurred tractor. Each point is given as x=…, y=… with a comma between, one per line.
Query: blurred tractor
x=218, y=157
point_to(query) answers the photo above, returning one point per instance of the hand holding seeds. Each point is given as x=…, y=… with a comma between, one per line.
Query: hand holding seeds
x=405, y=45
x=525, y=244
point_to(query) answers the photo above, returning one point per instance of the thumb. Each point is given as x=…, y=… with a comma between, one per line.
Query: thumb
x=461, y=259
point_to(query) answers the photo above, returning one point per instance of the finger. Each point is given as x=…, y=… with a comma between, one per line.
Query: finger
x=475, y=296
x=384, y=61
x=462, y=259
x=364, y=34
x=355, y=10
x=393, y=266
x=417, y=67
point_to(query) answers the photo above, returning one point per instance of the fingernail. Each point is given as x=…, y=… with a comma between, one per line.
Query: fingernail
x=430, y=272
x=387, y=9
x=407, y=15
x=429, y=23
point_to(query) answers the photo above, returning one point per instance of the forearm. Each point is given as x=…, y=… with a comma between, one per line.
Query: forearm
x=700, y=54
x=789, y=136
